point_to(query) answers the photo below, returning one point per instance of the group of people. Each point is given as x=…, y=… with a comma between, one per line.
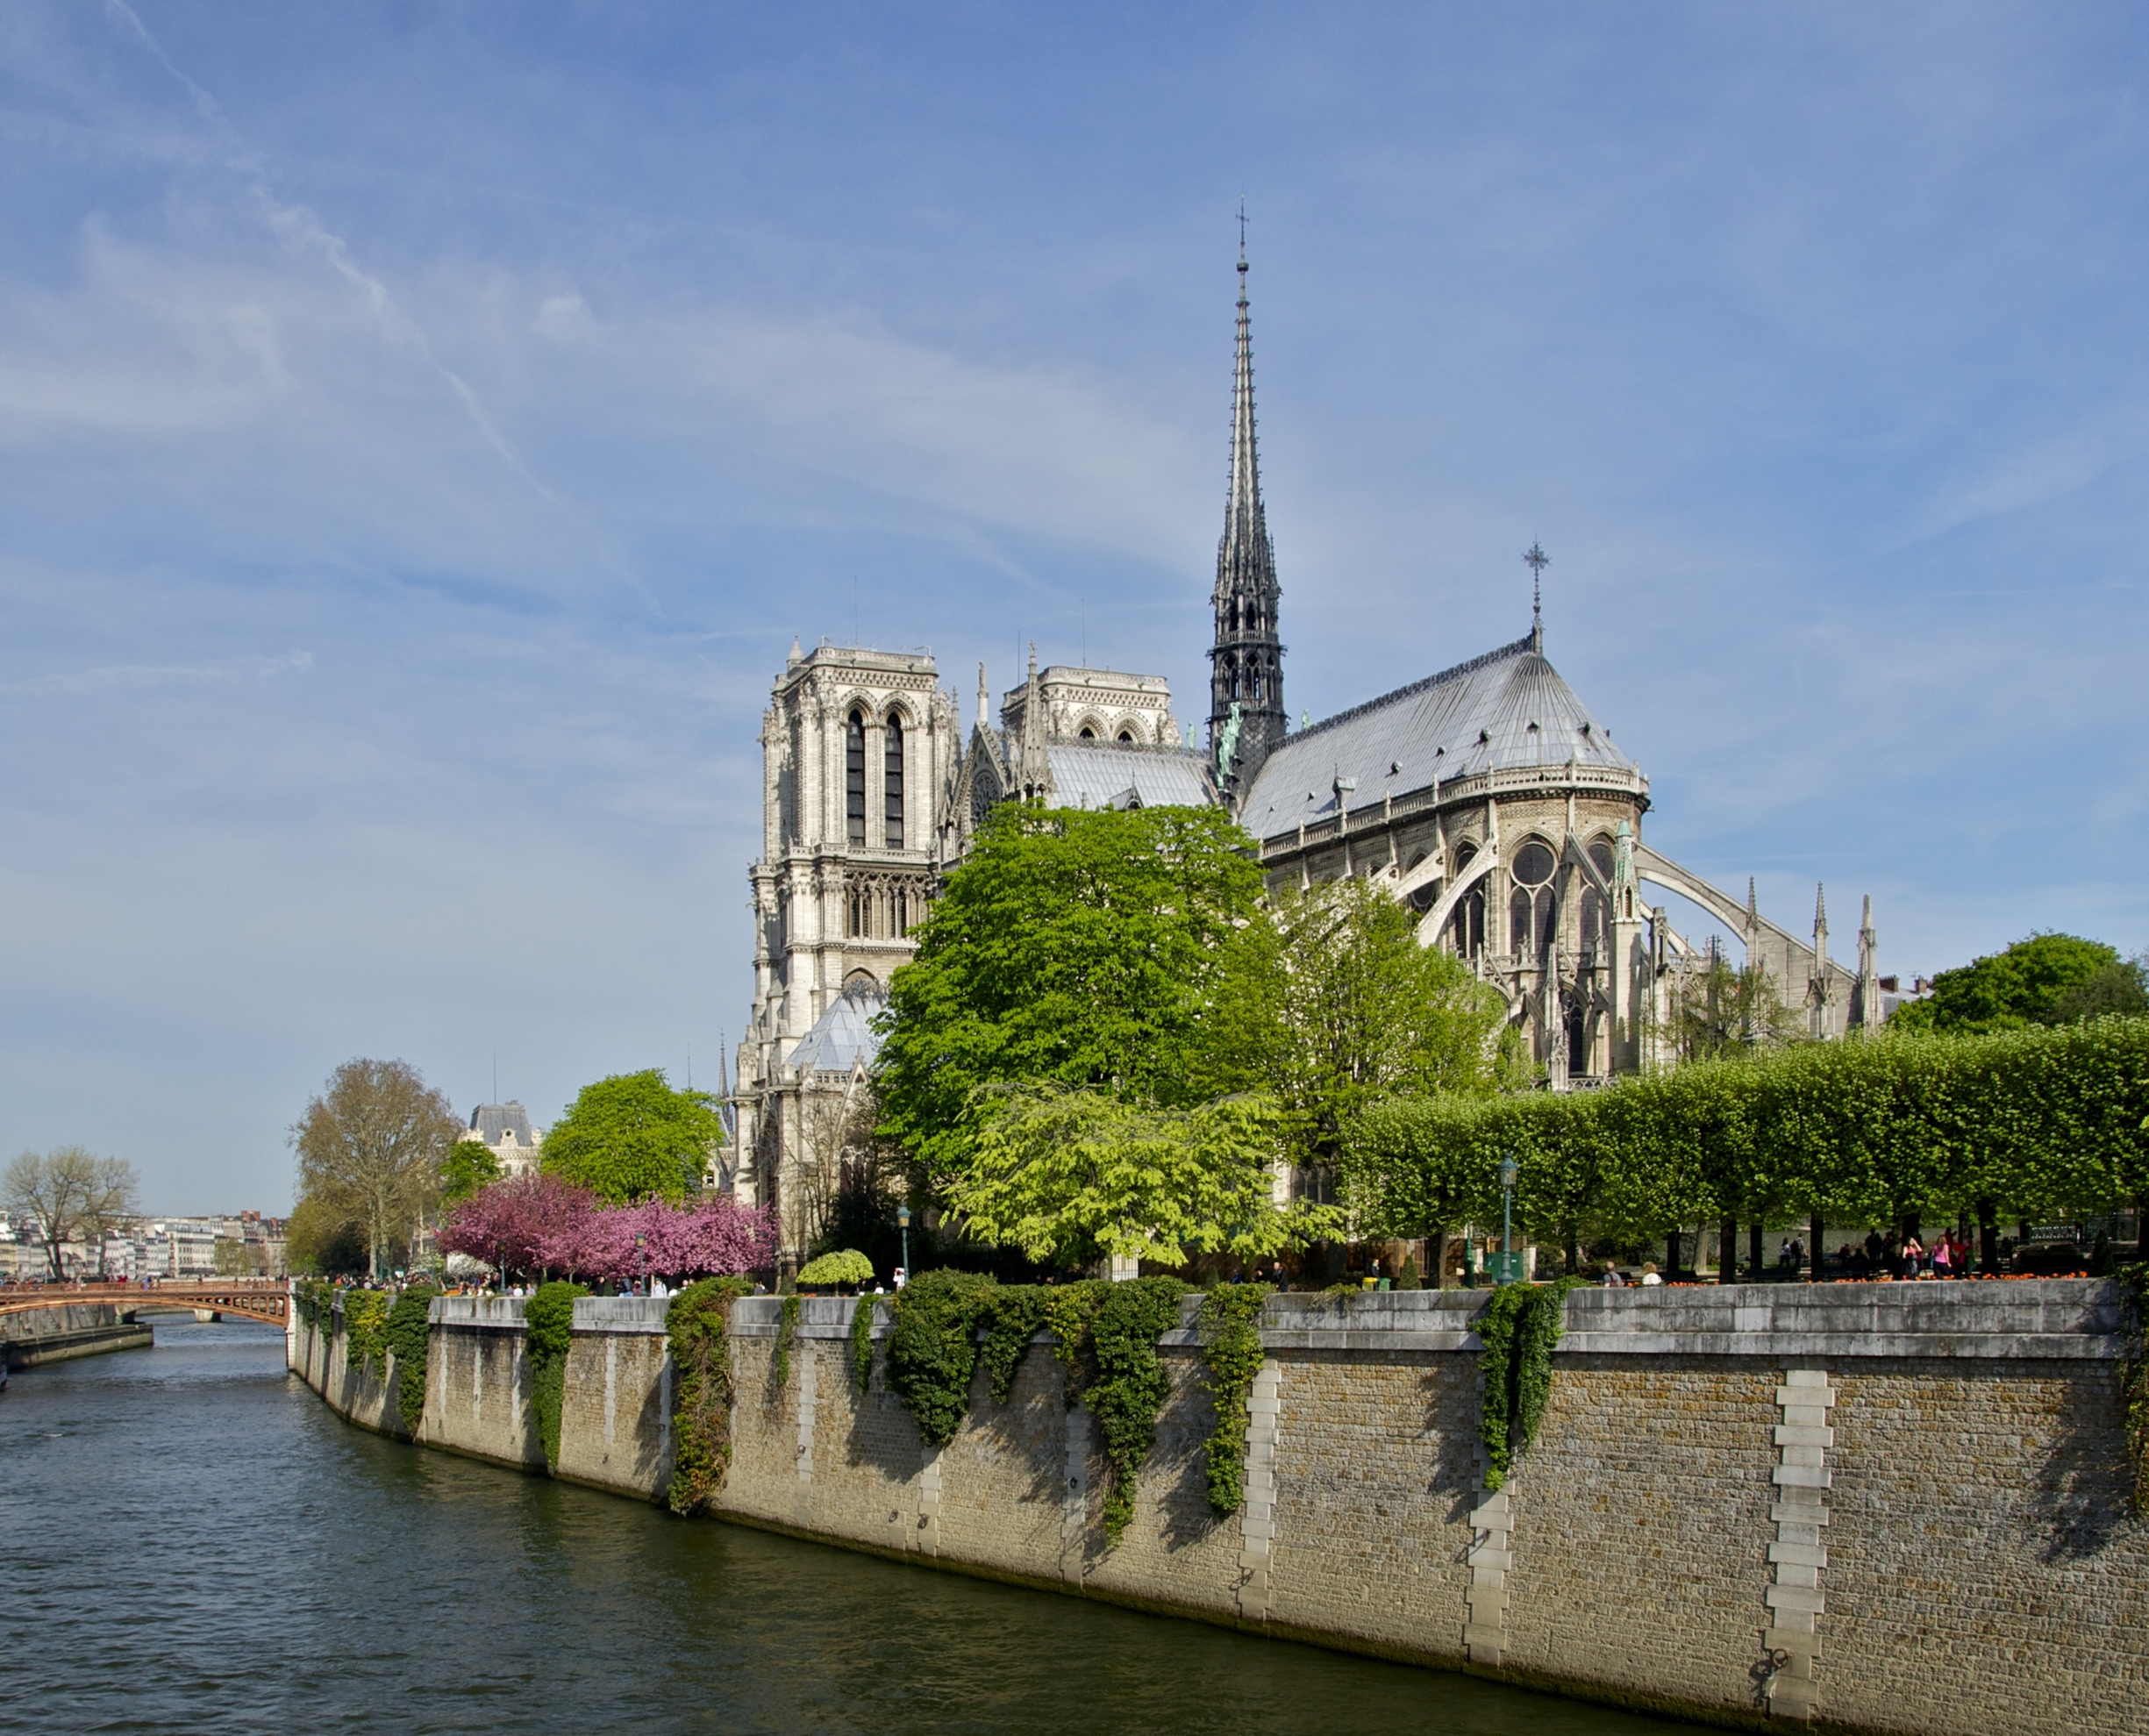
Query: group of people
x=1901, y=1254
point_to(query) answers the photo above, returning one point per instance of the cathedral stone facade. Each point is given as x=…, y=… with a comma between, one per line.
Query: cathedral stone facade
x=1486, y=796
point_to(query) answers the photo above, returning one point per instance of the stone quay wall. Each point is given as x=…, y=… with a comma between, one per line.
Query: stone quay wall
x=32, y=1336
x=1899, y=1508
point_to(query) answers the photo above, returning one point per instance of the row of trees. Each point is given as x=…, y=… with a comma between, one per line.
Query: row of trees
x=2031, y=1124
x=1111, y=1035
x=533, y=1226
x=380, y=1155
x=70, y=1196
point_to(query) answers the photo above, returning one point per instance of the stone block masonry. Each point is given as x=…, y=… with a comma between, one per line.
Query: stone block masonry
x=1899, y=1508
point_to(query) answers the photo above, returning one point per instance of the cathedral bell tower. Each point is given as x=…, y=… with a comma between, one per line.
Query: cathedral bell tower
x=1246, y=659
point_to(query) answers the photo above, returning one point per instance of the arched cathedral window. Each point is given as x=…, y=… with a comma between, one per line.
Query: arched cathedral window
x=854, y=778
x=891, y=782
x=1595, y=933
x=1529, y=907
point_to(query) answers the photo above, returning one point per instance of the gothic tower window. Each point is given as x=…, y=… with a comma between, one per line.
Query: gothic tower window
x=892, y=782
x=854, y=778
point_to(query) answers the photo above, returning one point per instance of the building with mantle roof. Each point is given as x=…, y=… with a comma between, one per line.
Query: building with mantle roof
x=1487, y=796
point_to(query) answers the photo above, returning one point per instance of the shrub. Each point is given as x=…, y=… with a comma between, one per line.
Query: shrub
x=846, y=1266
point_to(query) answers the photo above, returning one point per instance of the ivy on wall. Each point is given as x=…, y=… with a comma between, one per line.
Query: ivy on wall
x=2134, y=1379
x=787, y=1325
x=549, y=1317
x=950, y=1325
x=698, y=1333
x=407, y=1335
x=365, y=1312
x=1231, y=1354
x=316, y=1300
x=861, y=1343
x=1518, y=1328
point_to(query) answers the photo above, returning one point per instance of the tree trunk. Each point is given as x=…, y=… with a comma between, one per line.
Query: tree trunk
x=1757, y=1251
x=1727, y=1250
x=1573, y=1255
x=1989, y=1236
x=1671, y=1255
x=1438, y=1242
x=1816, y=1243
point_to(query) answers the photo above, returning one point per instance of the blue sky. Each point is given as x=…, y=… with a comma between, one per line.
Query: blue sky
x=423, y=428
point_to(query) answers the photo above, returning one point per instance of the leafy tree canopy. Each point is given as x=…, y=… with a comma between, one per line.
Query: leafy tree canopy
x=471, y=1165
x=633, y=1137
x=1340, y=1005
x=1068, y=1177
x=370, y=1148
x=1095, y=951
x=2046, y=979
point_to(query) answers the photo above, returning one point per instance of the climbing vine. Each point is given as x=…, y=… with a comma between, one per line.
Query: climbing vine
x=787, y=1324
x=364, y=1313
x=406, y=1335
x=697, y=1329
x=1012, y=1320
x=932, y=1351
x=2134, y=1379
x=1231, y=1353
x=1518, y=1328
x=1126, y=1391
x=317, y=1297
x=950, y=1325
x=549, y=1316
x=861, y=1343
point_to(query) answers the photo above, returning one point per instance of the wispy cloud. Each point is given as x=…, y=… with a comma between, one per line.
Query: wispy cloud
x=135, y=676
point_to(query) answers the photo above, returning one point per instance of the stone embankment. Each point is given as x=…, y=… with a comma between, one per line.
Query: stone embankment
x=1887, y=1508
x=30, y=1336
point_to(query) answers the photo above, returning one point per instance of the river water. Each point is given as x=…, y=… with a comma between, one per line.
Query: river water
x=189, y=1540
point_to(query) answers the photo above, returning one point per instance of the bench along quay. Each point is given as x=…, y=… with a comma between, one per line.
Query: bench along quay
x=1871, y=1507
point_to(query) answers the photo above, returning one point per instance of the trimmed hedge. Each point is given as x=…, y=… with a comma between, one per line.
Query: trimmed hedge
x=2026, y=1125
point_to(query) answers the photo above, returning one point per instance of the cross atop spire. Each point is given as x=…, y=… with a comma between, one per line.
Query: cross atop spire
x=1536, y=561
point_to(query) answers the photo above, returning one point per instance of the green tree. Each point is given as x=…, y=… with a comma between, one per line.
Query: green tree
x=1340, y=1005
x=321, y=1239
x=370, y=1149
x=1098, y=952
x=1723, y=1010
x=633, y=1137
x=471, y=1165
x=1070, y=1177
x=2046, y=979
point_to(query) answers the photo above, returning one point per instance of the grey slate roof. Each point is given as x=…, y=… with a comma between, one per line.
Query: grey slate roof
x=844, y=1035
x=491, y=1120
x=1506, y=709
x=1100, y=775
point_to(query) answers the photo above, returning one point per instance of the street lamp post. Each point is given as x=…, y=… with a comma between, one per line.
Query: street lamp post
x=1509, y=1170
x=641, y=1255
x=902, y=1217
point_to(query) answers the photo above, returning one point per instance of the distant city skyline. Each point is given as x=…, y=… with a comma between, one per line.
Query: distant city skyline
x=425, y=432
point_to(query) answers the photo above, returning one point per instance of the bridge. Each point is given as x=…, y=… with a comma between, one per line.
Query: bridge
x=267, y=1300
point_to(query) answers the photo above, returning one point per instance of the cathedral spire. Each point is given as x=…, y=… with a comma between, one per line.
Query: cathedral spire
x=1246, y=656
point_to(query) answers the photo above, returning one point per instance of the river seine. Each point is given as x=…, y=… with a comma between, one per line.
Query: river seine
x=189, y=1540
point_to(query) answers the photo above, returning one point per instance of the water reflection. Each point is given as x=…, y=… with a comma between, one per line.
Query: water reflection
x=189, y=1540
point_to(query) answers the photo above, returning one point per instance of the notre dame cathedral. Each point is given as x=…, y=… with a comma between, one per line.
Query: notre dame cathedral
x=1485, y=796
